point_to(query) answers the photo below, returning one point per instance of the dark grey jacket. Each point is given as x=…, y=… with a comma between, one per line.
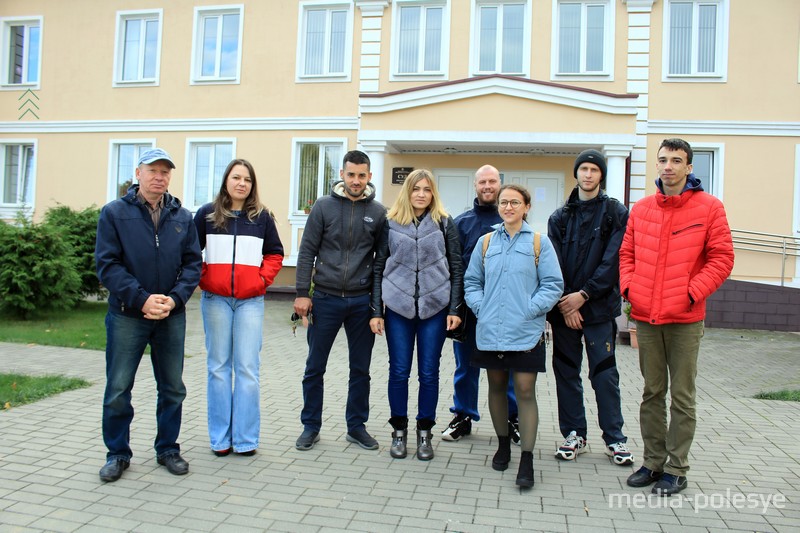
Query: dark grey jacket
x=339, y=243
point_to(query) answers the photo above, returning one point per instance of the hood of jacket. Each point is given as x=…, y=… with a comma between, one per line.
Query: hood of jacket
x=692, y=184
x=337, y=189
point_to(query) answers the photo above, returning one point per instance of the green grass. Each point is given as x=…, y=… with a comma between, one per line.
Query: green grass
x=17, y=389
x=83, y=327
x=785, y=395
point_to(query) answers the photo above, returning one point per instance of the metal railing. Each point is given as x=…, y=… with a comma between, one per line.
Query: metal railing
x=768, y=243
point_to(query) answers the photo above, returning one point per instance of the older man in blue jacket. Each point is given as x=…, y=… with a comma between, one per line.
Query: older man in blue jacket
x=148, y=257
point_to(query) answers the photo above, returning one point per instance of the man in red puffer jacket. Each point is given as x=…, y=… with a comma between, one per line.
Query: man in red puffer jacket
x=676, y=252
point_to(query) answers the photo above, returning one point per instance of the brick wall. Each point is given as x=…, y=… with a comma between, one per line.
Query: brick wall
x=746, y=305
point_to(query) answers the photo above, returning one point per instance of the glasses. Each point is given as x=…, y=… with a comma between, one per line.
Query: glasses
x=513, y=203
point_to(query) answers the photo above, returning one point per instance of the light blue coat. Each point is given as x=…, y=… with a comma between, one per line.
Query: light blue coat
x=508, y=294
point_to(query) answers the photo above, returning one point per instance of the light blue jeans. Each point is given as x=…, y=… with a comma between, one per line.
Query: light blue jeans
x=233, y=341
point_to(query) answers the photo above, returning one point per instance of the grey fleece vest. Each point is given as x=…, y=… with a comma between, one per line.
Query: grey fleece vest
x=416, y=279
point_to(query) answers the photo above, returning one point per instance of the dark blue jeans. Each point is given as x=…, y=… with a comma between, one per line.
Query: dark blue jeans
x=125, y=344
x=329, y=313
x=567, y=357
x=429, y=336
x=467, y=377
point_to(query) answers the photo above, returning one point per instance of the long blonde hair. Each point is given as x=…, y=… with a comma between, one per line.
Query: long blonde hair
x=402, y=211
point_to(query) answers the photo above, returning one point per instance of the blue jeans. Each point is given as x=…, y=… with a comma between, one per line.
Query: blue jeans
x=429, y=335
x=600, y=342
x=126, y=340
x=233, y=342
x=329, y=313
x=466, y=377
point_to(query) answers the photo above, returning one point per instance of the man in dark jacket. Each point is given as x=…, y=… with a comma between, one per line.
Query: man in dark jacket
x=472, y=225
x=587, y=233
x=339, y=243
x=148, y=257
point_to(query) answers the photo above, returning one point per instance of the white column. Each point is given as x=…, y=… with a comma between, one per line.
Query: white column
x=376, y=150
x=615, y=171
x=371, y=25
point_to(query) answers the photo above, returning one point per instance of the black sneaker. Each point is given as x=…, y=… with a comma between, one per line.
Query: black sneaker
x=460, y=425
x=513, y=429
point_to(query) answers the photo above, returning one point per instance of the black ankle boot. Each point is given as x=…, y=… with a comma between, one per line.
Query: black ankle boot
x=525, y=472
x=503, y=455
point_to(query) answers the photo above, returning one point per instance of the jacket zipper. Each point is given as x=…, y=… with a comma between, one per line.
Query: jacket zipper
x=686, y=228
x=233, y=260
x=349, y=245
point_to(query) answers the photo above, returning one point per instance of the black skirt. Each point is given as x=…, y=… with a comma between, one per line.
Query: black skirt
x=533, y=360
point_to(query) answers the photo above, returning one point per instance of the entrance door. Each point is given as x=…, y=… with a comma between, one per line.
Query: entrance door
x=547, y=194
x=456, y=189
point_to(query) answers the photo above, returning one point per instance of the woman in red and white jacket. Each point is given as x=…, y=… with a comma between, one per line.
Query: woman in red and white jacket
x=242, y=256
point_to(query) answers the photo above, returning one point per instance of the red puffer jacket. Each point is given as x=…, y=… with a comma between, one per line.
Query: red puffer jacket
x=676, y=252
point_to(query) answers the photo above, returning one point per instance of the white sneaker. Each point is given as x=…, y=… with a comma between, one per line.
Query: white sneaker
x=573, y=446
x=620, y=453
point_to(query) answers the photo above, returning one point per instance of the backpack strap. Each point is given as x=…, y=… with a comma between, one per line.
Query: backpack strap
x=537, y=246
x=485, y=244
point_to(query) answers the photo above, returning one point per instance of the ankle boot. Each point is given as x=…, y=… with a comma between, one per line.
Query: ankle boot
x=525, y=472
x=398, y=449
x=424, y=436
x=503, y=455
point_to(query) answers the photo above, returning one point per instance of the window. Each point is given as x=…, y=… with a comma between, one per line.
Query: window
x=17, y=171
x=325, y=41
x=584, y=38
x=703, y=168
x=217, y=44
x=22, y=53
x=317, y=168
x=207, y=162
x=502, y=37
x=695, y=35
x=138, y=47
x=420, y=38
x=122, y=169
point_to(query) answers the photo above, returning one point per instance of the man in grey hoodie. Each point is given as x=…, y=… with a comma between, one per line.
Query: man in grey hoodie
x=339, y=243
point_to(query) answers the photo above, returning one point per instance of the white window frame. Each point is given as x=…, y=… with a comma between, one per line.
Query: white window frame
x=200, y=14
x=609, y=27
x=296, y=214
x=717, y=166
x=119, y=47
x=720, y=75
x=326, y=77
x=474, y=43
x=5, y=35
x=10, y=211
x=113, y=161
x=444, y=59
x=190, y=202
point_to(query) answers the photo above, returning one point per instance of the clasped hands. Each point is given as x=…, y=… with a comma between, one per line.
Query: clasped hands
x=569, y=306
x=158, y=307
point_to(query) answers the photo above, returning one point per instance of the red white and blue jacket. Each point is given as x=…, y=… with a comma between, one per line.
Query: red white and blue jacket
x=242, y=259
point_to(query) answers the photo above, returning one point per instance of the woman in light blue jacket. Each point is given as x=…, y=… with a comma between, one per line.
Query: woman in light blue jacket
x=511, y=294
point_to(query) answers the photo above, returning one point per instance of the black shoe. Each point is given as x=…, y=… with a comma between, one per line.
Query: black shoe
x=174, y=463
x=525, y=472
x=248, y=453
x=670, y=484
x=306, y=440
x=643, y=477
x=362, y=438
x=113, y=469
x=503, y=455
x=222, y=453
x=458, y=427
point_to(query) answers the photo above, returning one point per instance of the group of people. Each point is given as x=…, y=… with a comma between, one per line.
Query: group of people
x=413, y=274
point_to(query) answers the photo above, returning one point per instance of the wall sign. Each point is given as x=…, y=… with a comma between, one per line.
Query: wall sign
x=399, y=174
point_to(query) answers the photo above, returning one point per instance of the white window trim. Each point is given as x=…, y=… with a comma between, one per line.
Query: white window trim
x=609, y=42
x=718, y=168
x=5, y=23
x=188, y=185
x=196, y=77
x=474, y=45
x=119, y=47
x=9, y=211
x=113, y=144
x=444, y=72
x=346, y=76
x=722, y=45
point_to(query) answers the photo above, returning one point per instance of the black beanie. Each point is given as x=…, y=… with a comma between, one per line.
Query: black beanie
x=591, y=156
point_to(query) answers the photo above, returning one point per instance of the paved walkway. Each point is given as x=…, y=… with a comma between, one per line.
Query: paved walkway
x=745, y=466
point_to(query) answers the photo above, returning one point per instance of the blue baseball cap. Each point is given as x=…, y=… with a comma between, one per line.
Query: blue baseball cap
x=153, y=155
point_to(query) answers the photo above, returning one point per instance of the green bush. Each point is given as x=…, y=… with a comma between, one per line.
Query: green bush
x=79, y=228
x=38, y=269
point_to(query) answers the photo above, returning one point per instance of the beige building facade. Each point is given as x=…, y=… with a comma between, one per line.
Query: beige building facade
x=448, y=85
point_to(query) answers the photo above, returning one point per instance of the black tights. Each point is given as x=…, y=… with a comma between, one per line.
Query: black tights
x=525, y=389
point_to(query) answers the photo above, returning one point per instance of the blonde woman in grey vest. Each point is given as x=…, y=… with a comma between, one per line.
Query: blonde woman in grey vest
x=417, y=290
